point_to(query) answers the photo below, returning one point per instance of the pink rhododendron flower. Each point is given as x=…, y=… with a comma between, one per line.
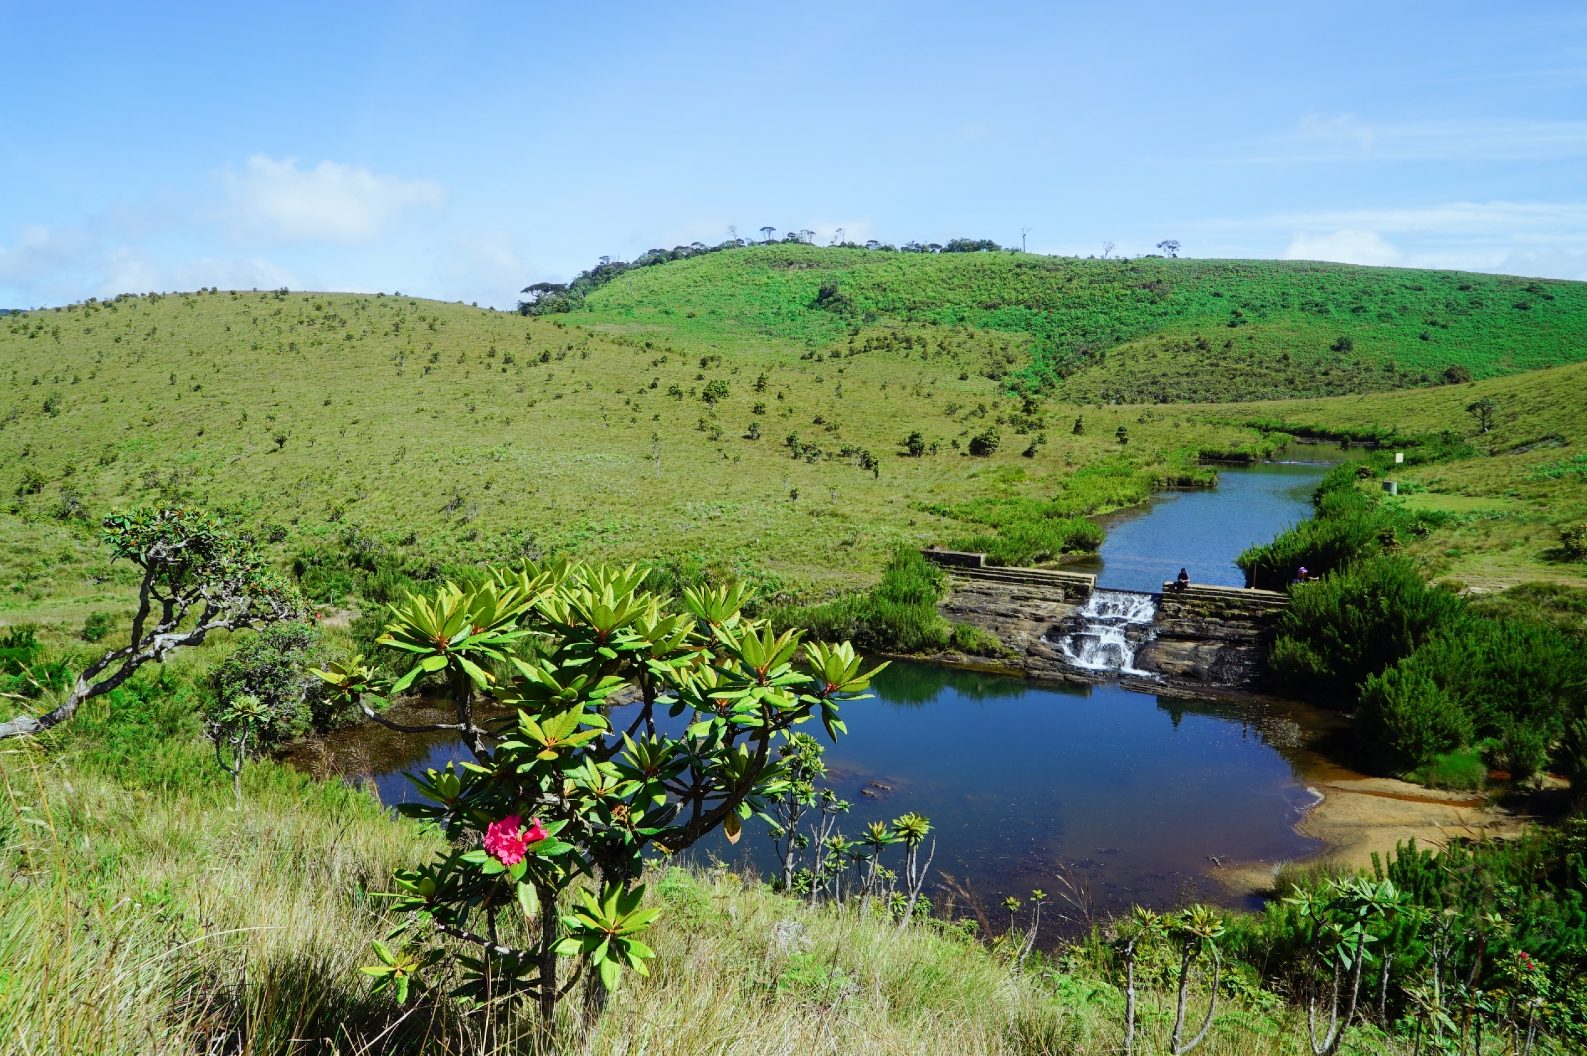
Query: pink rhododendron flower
x=508, y=841
x=505, y=840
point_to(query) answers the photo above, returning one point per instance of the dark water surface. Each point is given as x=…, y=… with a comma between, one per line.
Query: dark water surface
x=1130, y=791
x=1132, y=794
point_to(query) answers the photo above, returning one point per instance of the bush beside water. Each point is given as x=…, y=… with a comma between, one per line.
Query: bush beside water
x=1427, y=674
x=899, y=616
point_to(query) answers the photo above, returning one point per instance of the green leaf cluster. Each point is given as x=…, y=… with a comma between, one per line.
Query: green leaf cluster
x=575, y=748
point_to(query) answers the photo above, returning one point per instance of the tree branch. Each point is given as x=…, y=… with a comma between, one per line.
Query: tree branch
x=371, y=713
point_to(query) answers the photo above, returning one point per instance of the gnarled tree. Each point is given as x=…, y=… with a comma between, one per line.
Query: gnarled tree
x=197, y=578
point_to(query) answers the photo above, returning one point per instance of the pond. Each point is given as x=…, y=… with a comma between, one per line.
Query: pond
x=1134, y=798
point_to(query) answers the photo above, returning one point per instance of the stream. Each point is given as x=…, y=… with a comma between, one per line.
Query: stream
x=1102, y=795
x=1199, y=530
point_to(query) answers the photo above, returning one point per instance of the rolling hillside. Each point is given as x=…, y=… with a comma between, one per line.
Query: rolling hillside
x=703, y=413
x=1507, y=505
x=1151, y=330
x=453, y=433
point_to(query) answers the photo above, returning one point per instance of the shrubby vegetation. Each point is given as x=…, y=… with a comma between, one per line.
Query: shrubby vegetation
x=1427, y=674
x=1481, y=938
x=898, y=616
x=1349, y=523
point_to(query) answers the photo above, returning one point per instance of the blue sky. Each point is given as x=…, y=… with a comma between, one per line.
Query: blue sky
x=462, y=151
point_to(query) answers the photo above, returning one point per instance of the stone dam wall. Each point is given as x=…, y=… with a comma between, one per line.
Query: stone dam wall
x=1201, y=638
x=1216, y=636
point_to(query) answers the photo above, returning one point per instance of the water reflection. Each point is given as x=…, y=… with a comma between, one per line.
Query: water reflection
x=1135, y=794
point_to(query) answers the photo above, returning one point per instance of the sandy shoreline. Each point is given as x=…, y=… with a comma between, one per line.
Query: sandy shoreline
x=1356, y=816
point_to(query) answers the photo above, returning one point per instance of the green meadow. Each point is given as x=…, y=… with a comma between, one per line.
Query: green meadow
x=1147, y=330
x=706, y=411
x=452, y=433
x=799, y=418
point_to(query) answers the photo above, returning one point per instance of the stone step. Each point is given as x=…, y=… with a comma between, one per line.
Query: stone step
x=1246, y=597
x=972, y=565
x=1036, y=577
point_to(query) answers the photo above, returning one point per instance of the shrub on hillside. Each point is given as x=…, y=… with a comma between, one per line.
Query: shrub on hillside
x=1573, y=540
x=1409, y=714
x=272, y=667
x=1522, y=750
x=97, y=626
x=899, y=615
x=1505, y=672
x=985, y=442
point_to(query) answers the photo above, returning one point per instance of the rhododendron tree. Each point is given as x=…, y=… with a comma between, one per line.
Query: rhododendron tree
x=572, y=743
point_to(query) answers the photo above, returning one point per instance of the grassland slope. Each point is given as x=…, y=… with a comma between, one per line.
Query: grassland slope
x=454, y=433
x=1504, y=507
x=1149, y=330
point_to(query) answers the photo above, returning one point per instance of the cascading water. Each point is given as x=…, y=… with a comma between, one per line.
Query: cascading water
x=1107, y=630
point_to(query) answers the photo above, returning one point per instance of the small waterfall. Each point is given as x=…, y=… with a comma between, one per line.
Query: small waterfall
x=1107, y=630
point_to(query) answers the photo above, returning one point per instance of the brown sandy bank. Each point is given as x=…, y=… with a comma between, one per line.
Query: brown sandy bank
x=1357, y=816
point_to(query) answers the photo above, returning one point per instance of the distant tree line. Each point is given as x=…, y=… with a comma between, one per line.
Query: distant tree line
x=549, y=298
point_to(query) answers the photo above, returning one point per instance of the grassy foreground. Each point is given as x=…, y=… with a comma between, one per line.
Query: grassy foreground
x=142, y=911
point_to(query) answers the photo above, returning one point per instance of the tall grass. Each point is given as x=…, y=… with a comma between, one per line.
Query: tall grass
x=173, y=922
x=169, y=921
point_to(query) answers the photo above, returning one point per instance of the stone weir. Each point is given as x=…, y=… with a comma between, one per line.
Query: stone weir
x=1060, y=625
x=1217, y=636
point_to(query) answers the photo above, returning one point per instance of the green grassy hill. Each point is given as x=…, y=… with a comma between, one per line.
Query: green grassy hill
x=700, y=412
x=1506, y=505
x=1151, y=330
x=451, y=433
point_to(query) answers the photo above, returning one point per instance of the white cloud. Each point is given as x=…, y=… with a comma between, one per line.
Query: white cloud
x=1346, y=135
x=1545, y=219
x=42, y=250
x=330, y=202
x=1544, y=264
x=1345, y=246
x=488, y=269
x=1342, y=129
x=1535, y=239
x=129, y=270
